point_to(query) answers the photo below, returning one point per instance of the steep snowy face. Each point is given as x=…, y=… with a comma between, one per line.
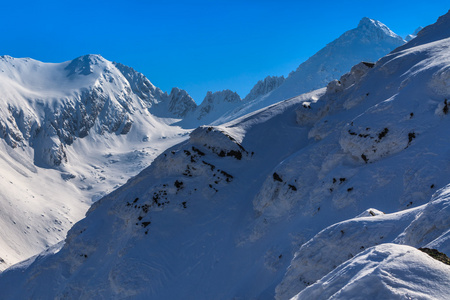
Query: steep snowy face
x=265, y=86
x=368, y=28
x=368, y=42
x=140, y=85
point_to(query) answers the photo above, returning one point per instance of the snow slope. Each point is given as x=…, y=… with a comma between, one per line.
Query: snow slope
x=221, y=215
x=91, y=124
x=387, y=271
x=426, y=226
x=369, y=41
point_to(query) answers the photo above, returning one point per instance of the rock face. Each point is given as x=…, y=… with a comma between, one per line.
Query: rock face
x=180, y=103
x=214, y=104
x=264, y=87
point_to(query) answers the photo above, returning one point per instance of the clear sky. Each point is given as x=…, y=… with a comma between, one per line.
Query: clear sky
x=197, y=45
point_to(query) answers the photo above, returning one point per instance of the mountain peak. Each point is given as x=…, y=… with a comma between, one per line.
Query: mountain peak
x=83, y=65
x=367, y=24
x=414, y=34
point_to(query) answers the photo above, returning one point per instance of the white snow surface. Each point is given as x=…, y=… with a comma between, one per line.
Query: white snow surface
x=425, y=226
x=387, y=271
x=264, y=206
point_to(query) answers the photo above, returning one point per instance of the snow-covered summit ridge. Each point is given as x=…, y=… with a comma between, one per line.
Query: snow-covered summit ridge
x=84, y=65
x=368, y=25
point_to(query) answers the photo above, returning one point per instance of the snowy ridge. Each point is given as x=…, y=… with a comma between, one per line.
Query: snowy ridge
x=386, y=271
x=338, y=243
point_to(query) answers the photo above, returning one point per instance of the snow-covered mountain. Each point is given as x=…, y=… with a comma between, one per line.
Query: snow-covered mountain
x=369, y=41
x=70, y=133
x=326, y=194
x=92, y=124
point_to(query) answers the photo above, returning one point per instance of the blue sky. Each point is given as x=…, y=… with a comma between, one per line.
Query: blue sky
x=197, y=45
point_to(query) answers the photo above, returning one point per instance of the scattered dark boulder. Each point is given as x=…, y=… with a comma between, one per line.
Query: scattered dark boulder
x=229, y=177
x=383, y=134
x=292, y=187
x=210, y=165
x=198, y=151
x=368, y=64
x=364, y=157
x=411, y=136
x=235, y=154
x=178, y=184
x=277, y=177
